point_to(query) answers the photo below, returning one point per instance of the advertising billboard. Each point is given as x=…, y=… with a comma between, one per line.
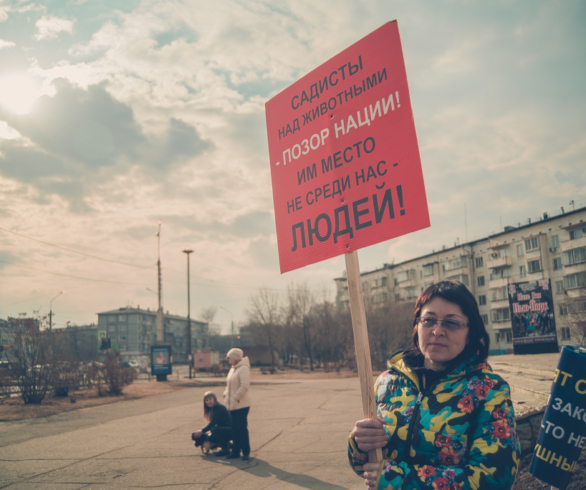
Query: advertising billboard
x=532, y=317
x=161, y=360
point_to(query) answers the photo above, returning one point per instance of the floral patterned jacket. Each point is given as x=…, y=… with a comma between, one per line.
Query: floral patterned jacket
x=457, y=434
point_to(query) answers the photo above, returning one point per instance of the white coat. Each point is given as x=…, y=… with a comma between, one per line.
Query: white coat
x=236, y=394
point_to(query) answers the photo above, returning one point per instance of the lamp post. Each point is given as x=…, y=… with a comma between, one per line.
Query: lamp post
x=231, y=323
x=51, y=310
x=187, y=252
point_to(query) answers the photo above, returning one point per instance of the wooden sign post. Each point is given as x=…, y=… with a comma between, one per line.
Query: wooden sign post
x=361, y=344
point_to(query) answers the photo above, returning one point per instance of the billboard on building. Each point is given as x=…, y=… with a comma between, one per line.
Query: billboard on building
x=532, y=316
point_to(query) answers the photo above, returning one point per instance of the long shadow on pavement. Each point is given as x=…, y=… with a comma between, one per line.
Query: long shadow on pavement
x=264, y=470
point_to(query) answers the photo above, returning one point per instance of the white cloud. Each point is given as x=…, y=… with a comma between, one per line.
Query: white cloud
x=6, y=44
x=49, y=27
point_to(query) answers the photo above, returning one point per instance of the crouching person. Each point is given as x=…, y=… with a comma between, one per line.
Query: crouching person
x=218, y=432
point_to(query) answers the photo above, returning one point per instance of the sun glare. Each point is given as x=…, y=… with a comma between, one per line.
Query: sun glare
x=18, y=93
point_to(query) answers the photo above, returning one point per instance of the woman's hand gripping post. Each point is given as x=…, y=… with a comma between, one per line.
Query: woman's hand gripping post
x=370, y=434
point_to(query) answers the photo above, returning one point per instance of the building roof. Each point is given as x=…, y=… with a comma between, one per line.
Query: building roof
x=131, y=309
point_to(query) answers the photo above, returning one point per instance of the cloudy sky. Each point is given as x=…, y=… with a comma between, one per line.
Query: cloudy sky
x=114, y=115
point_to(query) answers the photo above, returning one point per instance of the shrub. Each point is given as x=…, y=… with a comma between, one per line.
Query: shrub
x=66, y=377
x=115, y=376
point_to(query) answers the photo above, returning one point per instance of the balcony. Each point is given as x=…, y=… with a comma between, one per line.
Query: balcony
x=574, y=268
x=500, y=262
x=409, y=283
x=494, y=244
x=572, y=244
x=501, y=325
x=501, y=282
x=497, y=304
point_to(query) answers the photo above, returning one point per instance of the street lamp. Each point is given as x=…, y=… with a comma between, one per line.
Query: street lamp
x=187, y=252
x=51, y=310
x=231, y=323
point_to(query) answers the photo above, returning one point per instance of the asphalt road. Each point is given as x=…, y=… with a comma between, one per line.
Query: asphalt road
x=298, y=437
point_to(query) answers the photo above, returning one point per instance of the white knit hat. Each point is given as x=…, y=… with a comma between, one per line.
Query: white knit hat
x=235, y=354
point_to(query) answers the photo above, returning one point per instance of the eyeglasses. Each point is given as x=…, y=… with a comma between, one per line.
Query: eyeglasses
x=450, y=325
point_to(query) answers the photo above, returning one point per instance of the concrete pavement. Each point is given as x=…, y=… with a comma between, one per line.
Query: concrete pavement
x=298, y=436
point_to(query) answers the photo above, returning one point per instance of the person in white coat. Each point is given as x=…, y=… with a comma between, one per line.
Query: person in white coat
x=237, y=399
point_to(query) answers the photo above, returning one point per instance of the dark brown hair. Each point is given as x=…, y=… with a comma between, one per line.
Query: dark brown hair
x=208, y=410
x=455, y=292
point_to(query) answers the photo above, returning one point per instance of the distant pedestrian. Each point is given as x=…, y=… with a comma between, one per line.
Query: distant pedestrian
x=219, y=428
x=238, y=401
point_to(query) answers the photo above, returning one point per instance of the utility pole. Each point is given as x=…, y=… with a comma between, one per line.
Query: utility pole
x=189, y=355
x=51, y=310
x=160, y=320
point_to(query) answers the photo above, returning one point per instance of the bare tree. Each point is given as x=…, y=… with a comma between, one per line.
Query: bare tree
x=573, y=317
x=300, y=300
x=32, y=354
x=211, y=329
x=264, y=315
x=389, y=330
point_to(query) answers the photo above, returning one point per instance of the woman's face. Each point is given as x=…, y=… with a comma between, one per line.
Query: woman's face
x=439, y=344
x=232, y=362
x=209, y=401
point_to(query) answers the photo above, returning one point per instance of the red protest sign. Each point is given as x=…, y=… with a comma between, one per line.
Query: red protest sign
x=344, y=159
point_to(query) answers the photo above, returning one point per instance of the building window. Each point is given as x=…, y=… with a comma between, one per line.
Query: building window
x=484, y=319
x=575, y=234
x=563, y=310
x=479, y=262
x=555, y=241
x=501, y=274
x=497, y=337
x=520, y=251
x=500, y=315
x=122, y=318
x=574, y=281
x=566, y=333
x=509, y=337
x=574, y=256
x=559, y=287
x=557, y=264
x=534, y=266
x=428, y=270
x=480, y=280
x=455, y=264
x=499, y=294
x=112, y=319
x=522, y=271
x=463, y=278
x=482, y=299
x=405, y=276
x=504, y=252
x=397, y=297
x=532, y=243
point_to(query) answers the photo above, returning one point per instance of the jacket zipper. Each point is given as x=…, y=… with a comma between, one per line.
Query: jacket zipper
x=413, y=424
x=416, y=411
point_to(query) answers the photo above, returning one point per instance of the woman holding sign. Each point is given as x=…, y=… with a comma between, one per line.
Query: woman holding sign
x=445, y=420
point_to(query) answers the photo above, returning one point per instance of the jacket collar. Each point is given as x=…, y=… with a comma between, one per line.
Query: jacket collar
x=397, y=363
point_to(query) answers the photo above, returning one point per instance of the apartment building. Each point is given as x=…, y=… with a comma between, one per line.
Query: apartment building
x=132, y=331
x=552, y=248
